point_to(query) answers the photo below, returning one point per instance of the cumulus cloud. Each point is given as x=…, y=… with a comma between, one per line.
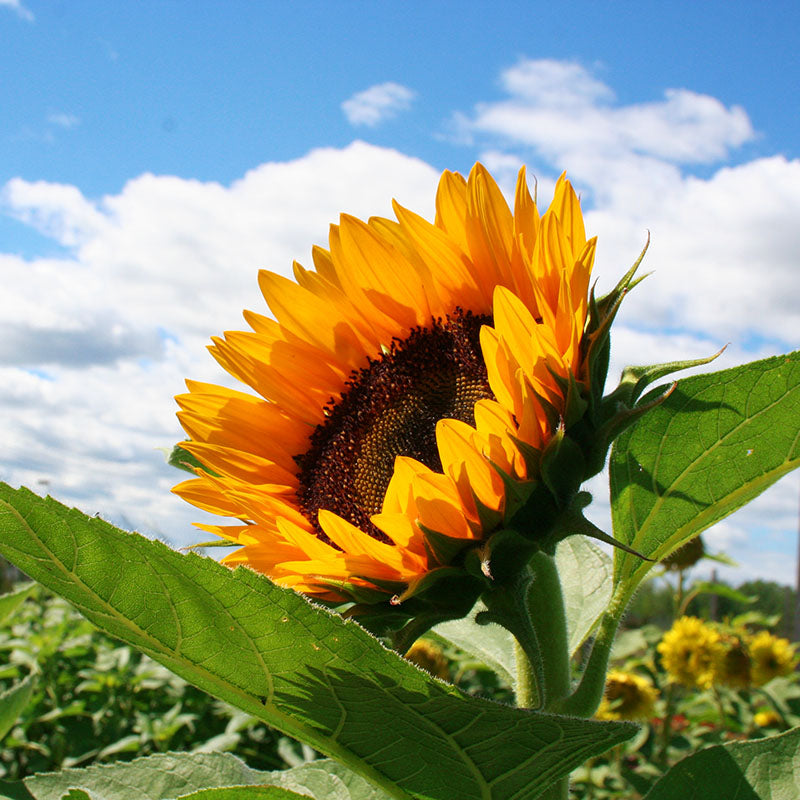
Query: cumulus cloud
x=16, y=6
x=564, y=113
x=633, y=163
x=378, y=103
x=94, y=344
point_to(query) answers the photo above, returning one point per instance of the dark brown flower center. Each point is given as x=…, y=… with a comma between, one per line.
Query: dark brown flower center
x=391, y=408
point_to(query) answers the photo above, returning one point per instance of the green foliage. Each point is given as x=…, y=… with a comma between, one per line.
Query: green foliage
x=97, y=700
x=13, y=702
x=768, y=769
x=713, y=445
x=203, y=776
x=10, y=602
x=304, y=670
x=696, y=455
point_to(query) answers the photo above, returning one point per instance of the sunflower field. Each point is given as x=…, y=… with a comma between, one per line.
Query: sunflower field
x=89, y=700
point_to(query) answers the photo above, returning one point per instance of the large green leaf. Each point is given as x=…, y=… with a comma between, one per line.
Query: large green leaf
x=246, y=793
x=714, y=444
x=489, y=644
x=585, y=573
x=12, y=702
x=765, y=769
x=203, y=776
x=166, y=776
x=302, y=669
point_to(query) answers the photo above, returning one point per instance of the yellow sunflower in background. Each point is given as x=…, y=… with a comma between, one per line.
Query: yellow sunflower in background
x=690, y=651
x=627, y=696
x=772, y=657
x=733, y=665
x=412, y=393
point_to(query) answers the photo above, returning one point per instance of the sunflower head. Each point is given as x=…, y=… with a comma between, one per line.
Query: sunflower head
x=425, y=404
x=685, y=556
x=772, y=657
x=627, y=696
x=689, y=652
x=767, y=718
x=733, y=665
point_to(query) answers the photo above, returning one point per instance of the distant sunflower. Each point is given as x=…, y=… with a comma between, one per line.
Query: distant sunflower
x=772, y=657
x=627, y=696
x=733, y=665
x=402, y=387
x=689, y=652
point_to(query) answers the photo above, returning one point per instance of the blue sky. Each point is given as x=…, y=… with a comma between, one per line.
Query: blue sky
x=155, y=154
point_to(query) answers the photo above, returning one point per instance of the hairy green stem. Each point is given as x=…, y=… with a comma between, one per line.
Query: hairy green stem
x=525, y=690
x=546, y=606
x=584, y=701
x=507, y=605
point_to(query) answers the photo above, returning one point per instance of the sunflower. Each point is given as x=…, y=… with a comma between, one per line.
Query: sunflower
x=418, y=389
x=772, y=657
x=689, y=652
x=733, y=665
x=627, y=696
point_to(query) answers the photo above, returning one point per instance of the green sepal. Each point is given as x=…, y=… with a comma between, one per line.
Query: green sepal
x=504, y=555
x=441, y=548
x=183, y=459
x=537, y=516
x=563, y=467
x=517, y=494
x=575, y=404
x=608, y=301
x=618, y=421
x=635, y=380
x=489, y=518
x=442, y=594
x=360, y=594
x=572, y=522
x=531, y=455
x=213, y=543
x=598, y=354
x=602, y=313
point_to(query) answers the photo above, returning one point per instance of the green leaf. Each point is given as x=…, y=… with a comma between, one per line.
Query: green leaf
x=765, y=769
x=326, y=780
x=723, y=590
x=183, y=459
x=714, y=444
x=203, y=776
x=166, y=775
x=244, y=793
x=585, y=573
x=300, y=668
x=14, y=790
x=489, y=644
x=13, y=702
x=11, y=601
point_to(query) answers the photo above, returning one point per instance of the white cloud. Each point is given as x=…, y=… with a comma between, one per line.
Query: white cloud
x=564, y=113
x=95, y=344
x=63, y=120
x=724, y=248
x=15, y=5
x=378, y=103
